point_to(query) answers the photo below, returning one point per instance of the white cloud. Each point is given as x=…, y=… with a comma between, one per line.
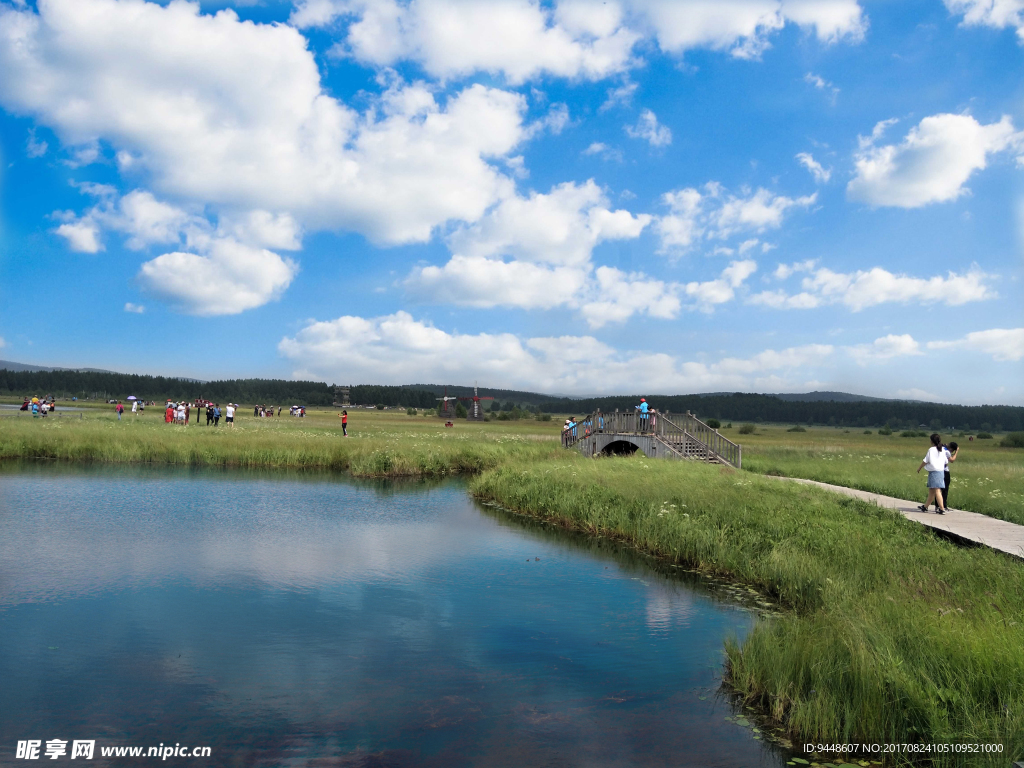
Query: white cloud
x=2, y=342
x=820, y=173
x=137, y=309
x=715, y=214
x=990, y=13
x=723, y=289
x=602, y=149
x=648, y=129
x=931, y=164
x=82, y=236
x=225, y=278
x=1004, y=344
x=34, y=147
x=620, y=96
x=867, y=288
x=615, y=296
x=884, y=348
x=524, y=39
x=560, y=227
x=743, y=27
x=549, y=239
x=398, y=348
x=518, y=39
x=476, y=281
x=231, y=114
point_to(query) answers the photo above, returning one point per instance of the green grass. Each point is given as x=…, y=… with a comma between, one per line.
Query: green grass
x=986, y=477
x=388, y=443
x=891, y=635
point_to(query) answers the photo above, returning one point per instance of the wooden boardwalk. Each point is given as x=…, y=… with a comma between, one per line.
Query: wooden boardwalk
x=969, y=526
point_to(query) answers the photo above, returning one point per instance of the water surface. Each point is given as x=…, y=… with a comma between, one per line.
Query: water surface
x=286, y=619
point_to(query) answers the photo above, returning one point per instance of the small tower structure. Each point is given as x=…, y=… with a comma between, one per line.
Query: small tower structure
x=476, y=413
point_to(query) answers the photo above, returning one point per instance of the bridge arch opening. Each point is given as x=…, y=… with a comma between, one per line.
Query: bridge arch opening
x=619, y=448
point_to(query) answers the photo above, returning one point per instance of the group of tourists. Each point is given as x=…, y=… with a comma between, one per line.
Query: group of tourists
x=936, y=463
x=265, y=411
x=39, y=407
x=180, y=413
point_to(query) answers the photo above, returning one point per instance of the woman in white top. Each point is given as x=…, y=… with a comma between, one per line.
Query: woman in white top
x=935, y=462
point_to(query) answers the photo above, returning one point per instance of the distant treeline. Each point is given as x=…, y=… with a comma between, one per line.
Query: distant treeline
x=725, y=407
x=760, y=408
x=84, y=384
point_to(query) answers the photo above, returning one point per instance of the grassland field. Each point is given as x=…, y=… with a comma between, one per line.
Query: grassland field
x=881, y=632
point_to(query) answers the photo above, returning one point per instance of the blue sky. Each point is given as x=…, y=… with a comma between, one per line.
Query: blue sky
x=574, y=197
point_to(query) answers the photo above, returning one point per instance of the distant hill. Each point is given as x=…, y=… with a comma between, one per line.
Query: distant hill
x=837, y=397
x=10, y=365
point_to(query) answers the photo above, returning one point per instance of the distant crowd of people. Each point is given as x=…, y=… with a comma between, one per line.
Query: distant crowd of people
x=39, y=407
x=181, y=413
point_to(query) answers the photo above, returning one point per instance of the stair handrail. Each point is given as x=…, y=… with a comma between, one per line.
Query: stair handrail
x=659, y=425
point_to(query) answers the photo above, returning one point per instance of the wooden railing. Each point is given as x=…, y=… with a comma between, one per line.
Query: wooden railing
x=685, y=433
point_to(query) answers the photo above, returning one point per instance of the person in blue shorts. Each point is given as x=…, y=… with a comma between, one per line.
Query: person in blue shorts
x=935, y=462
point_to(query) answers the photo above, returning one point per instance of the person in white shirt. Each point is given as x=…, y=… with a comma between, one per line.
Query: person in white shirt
x=230, y=414
x=135, y=406
x=935, y=462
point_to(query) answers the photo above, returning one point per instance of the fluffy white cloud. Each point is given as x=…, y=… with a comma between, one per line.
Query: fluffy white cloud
x=397, y=348
x=452, y=38
x=867, y=288
x=931, y=164
x=82, y=235
x=1004, y=344
x=715, y=214
x=990, y=13
x=650, y=130
x=136, y=309
x=884, y=348
x=615, y=296
x=723, y=289
x=592, y=39
x=820, y=173
x=225, y=278
x=231, y=114
x=475, y=281
x=560, y=227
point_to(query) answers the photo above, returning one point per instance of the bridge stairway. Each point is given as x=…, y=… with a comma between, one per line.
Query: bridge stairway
x=684, y=436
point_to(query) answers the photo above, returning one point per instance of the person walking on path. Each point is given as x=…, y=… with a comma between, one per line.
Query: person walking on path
x=935, y=463
x=120, y=409
x=135, y=408
x=951, y=451
x=344, y=423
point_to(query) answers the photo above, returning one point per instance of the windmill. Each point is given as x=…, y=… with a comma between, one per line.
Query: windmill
x=476, y=413
x=447, y=408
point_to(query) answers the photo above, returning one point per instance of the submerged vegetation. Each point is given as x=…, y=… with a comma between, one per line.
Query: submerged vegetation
x=888, y=634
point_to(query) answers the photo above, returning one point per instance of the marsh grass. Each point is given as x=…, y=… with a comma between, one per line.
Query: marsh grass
x=380, y=445
x=892, y=635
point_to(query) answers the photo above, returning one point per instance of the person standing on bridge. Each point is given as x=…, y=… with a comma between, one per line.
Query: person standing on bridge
x=644, y=410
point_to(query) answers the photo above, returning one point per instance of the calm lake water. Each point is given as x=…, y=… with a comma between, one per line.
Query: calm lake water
x=303, y=620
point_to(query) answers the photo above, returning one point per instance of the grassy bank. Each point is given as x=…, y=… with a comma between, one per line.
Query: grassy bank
x=892, y=635
x=986, y=477
x=380, y=445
